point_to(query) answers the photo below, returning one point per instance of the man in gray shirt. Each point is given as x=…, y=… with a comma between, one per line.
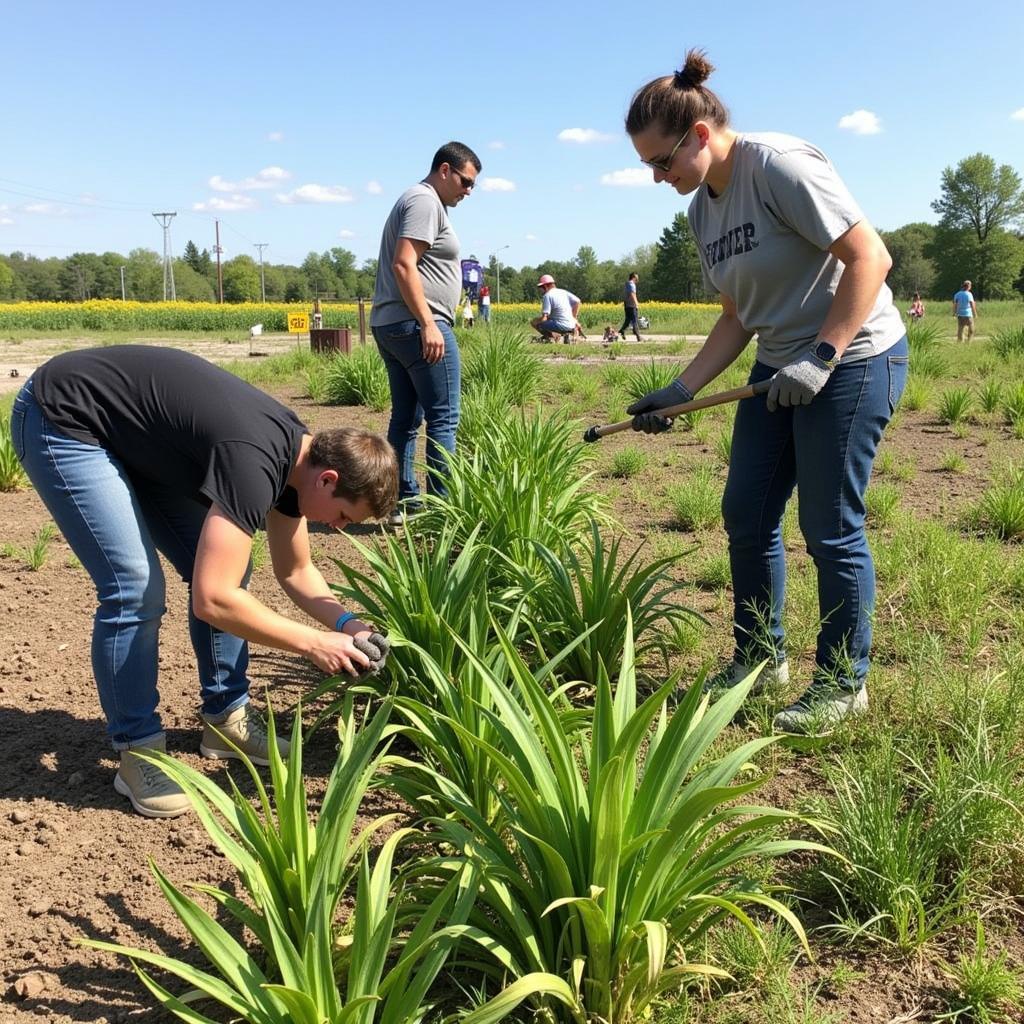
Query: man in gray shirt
x=558, y=310
x=419, y=279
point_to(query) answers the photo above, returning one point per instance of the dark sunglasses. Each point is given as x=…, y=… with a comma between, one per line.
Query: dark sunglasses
x=467, y=183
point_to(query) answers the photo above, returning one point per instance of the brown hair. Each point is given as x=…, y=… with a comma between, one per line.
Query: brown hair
x=365, y=463
x=675, y=101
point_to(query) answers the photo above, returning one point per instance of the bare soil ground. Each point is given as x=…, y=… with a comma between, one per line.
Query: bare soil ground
x=75, y=860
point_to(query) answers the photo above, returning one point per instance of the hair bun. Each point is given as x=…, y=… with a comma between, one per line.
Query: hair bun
x=695, y=72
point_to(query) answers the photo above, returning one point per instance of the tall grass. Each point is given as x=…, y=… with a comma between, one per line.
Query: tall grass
x=359, y=378
x=501, y=360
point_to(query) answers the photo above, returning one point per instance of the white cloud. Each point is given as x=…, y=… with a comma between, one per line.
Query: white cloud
x=497, y=185
x=628, y=177
x=275, y=136
x=226, y=204
x=374, y=188
x=267, y=178
x=861, y=122
x=1017, y=115
x=530, y=238
x=314, y=193
x=496, y=144
x=6, y=220
x=584, y=135
x=46, y=209
x=345, y=233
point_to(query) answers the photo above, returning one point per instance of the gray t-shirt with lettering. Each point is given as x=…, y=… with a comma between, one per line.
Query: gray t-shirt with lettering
x=764, y=244
x=421, y=216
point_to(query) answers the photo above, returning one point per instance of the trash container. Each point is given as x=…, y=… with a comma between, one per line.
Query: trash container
x=330, y=339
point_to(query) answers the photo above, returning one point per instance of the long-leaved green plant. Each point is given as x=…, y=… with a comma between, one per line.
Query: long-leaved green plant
x=294, y=872
x=616, y=847
x=593, y=589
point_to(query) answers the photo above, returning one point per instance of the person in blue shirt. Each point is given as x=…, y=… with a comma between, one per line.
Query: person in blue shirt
x=965, y=312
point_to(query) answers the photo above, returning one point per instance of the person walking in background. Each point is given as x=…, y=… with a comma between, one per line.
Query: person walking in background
x=795, y=261
x=485, y=303
x=137, y=450
x=965, y=311
x=559, y=310
x=632, y=309
x=419, y=279
x=916, y=310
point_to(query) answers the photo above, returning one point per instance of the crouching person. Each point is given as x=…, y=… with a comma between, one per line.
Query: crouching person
x=137, y=450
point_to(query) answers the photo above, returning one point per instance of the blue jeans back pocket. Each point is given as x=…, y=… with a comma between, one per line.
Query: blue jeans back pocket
x=899, y=367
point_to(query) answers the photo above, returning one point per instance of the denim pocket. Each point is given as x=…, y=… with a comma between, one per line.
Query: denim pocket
x=898, y=368
x=404, y=330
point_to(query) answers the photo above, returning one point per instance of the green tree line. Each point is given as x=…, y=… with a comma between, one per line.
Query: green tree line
x=978, y=236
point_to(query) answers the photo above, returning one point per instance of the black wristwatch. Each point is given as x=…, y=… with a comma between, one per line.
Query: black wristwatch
x=827, y=354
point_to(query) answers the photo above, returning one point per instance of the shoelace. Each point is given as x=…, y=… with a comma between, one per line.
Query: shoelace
x=153, y=777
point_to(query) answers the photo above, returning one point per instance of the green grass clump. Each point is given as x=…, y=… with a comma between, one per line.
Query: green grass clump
x=881, y=501
x=650, y=376
x=501, y=360
x=697, y=504
x=628, y=462
x=12, y=476
x=1001, y=508
x=986, y=989
x=1009, y=342
x=356, y=379
x=954, y=405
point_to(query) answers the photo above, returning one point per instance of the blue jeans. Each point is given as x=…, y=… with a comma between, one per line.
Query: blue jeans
x=826, y=449
x=420, y=390
x=116, y=525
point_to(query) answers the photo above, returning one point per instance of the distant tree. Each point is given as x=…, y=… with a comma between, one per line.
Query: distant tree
x=241, y=280
x=191, y=255
x=912, y=270
x=274, y=280
x=983, y=199
x=190, y=285
x=677, y=275
x=144, y=276
x=957, y=254
x=6, y=281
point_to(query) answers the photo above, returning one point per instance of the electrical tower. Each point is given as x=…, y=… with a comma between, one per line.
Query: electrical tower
x=165, y=220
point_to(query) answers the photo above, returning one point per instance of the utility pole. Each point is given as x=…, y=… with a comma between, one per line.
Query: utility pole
x=497, y=267
x=122, y=284
x=165, y=220
x=220, y=276
x=263, y=287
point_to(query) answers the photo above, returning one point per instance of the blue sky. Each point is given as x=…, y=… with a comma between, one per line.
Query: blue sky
x=300, y=125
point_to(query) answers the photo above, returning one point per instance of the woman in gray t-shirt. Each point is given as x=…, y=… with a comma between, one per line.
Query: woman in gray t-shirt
x=796, y=263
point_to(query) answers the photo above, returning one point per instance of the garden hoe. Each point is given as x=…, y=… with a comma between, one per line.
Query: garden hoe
x=760, y=388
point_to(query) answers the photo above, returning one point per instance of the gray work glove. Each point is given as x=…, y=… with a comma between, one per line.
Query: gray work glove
x=798, y=383
x=644, y=410
x=376, y=648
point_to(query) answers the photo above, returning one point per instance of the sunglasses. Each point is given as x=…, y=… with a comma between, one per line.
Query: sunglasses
x=666, y=165
x=467, y=183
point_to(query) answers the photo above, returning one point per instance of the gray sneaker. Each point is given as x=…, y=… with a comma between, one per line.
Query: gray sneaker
x=246, y=729
x=151, y=792
x=820, y=709
x=770, y=679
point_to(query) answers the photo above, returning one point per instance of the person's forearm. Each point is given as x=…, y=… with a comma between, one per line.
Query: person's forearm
x=237, y=612
x=728, y=338
x=307, y=589
x=854, y=299
x=411, y=288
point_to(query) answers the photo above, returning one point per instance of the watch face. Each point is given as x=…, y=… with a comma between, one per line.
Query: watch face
x=824, y=351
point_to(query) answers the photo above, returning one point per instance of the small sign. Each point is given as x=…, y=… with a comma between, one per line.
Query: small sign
x=298, y=323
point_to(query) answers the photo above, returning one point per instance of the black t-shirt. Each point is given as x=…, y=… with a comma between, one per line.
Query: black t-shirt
x=179, y=421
